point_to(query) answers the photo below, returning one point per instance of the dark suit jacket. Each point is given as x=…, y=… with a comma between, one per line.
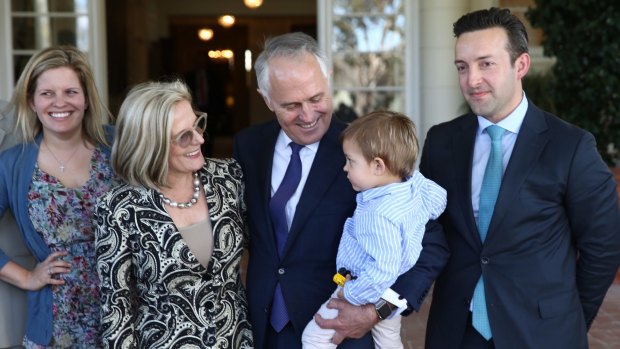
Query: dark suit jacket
x=309, y=260
x=553, y=245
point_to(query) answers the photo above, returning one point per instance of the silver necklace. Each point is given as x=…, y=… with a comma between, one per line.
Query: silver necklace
x=60, y=163
x=188, y=204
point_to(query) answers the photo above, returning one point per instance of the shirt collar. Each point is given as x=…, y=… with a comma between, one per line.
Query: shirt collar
x=283, y=141
x=510, y=123
x=373, y=193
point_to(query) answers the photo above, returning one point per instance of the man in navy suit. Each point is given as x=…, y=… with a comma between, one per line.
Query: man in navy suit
x=552, y=246
x=293, y=79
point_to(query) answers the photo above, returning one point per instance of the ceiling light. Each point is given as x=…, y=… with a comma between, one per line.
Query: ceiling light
x=226, y=21
x=205, y=34
x=253, y=3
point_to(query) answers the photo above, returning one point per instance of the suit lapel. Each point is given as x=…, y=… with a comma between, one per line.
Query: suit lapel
x=528, y=147
x=264, y=166
x=463, y=144
x=327, y=165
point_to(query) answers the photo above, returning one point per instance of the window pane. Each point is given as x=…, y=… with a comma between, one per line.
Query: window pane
x=61, y=6
x=35, y=33
x=48, y=5
x=23, y=34
x=349, y=104
x=368, y=70
x=368, y=56
x=343, y=7
x=63, y=31
x=21, y=5
x=20, y=62
x=369, y=33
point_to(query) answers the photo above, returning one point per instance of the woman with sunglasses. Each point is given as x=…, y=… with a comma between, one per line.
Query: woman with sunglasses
x=170, y=240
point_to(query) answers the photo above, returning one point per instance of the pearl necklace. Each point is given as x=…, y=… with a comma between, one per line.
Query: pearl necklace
x=188, y=204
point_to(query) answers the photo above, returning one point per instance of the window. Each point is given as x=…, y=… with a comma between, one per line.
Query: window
x=372, y=47
x=31, y=25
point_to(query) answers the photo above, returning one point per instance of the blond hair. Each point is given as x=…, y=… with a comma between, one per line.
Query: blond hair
x=51, y=58
x=142, y=143
x=388, y=135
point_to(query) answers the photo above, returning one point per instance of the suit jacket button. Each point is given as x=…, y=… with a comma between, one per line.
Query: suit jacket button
x=484, y=260
x=281, y=271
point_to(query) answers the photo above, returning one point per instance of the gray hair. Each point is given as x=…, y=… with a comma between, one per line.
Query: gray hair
x=290, y=45
x=142, y=143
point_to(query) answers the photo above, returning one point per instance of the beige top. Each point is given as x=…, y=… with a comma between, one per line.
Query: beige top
x=199, y=239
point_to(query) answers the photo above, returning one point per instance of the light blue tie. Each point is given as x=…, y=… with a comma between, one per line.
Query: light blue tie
x=491, y=183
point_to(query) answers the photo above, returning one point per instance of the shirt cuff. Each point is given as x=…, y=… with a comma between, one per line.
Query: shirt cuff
x=394, y=298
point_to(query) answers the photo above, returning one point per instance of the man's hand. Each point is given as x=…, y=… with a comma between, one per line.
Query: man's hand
x=352, y=321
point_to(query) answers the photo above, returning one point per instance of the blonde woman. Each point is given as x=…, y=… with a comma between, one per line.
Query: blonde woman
x=50, y=183
x=169, y=241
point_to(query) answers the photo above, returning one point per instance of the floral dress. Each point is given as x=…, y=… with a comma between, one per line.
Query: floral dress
x=63, y=217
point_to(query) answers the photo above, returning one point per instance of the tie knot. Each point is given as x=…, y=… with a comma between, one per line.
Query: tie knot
x=495, y=132
x=295, y=147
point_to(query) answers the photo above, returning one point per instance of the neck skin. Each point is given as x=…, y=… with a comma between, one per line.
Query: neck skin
x=388, y=178
x=179, y=185
x=66, y=144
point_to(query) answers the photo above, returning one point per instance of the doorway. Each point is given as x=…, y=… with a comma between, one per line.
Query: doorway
x=214, y=71
x=231, y=99
x=228, y=88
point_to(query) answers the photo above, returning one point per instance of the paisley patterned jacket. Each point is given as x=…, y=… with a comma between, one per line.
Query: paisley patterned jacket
x=154, y=292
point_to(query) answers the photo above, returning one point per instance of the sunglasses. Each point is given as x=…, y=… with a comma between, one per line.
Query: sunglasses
x=186, y=137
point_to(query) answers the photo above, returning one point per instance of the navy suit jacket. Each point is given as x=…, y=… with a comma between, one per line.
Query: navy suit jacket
x=309, y=258
x=553, y=245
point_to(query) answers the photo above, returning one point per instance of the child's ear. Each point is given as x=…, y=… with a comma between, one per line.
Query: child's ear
x=378, y=165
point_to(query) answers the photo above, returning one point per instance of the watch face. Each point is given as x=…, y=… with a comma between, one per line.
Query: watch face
x=383, y=309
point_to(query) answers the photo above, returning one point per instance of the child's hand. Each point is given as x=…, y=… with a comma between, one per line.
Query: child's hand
x=341, y=289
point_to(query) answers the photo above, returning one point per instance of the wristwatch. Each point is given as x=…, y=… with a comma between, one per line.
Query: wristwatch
x=383, y=309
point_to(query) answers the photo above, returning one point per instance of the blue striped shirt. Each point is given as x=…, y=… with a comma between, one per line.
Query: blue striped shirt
x=383, y=239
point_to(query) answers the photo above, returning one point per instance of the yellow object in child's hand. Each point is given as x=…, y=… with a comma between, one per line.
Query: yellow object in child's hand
x=342, y=276
x=339, y=279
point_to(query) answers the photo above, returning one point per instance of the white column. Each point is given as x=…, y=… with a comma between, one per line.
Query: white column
x=441, y=98
x=481, y=4
x=7, y=79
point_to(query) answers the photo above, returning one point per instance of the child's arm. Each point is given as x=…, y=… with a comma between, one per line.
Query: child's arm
x=377, y=243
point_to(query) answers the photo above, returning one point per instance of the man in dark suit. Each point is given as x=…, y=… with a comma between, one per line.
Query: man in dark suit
x=293, y=79
x=552, y=246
